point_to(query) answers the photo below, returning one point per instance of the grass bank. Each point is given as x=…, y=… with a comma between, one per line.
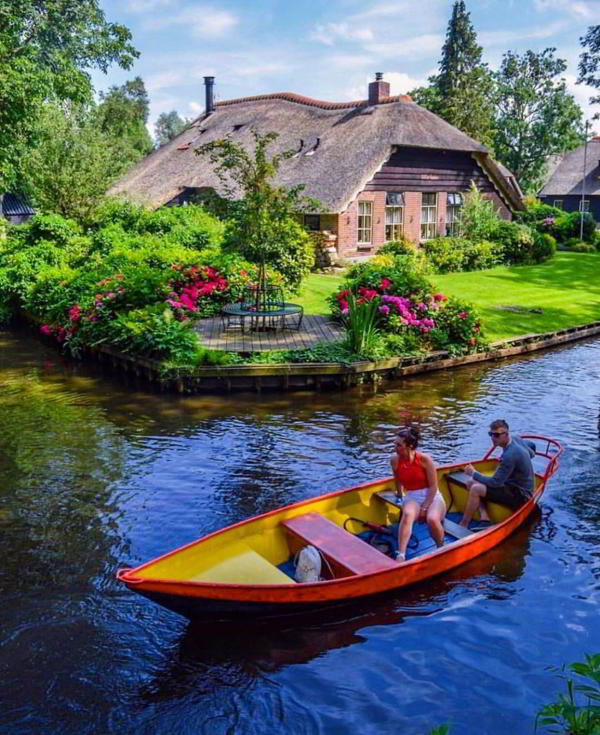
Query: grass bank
x=561, y=293
x=516, y=300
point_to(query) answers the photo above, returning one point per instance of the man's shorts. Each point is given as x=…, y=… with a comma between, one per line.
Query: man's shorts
x=512, y=497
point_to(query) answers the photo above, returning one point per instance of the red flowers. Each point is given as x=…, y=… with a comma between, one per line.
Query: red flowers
x=202, y=283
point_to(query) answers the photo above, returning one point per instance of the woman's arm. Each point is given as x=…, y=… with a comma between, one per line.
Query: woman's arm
x=432, y=484
x=399, y=485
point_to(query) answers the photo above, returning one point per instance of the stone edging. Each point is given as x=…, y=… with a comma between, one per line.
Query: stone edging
x=290, y=376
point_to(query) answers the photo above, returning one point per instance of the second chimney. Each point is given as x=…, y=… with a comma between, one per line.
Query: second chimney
x=378, y=90
x=209, y=83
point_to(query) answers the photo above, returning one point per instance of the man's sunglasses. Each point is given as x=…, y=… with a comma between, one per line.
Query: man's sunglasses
x=496, y=433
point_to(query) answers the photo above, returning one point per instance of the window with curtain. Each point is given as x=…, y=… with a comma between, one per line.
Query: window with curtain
x=453, y=206
x=365, y=223
x=394, y=215
x=428, y=215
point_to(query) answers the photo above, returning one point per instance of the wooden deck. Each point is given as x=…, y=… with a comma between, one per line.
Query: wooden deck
x=215, y=335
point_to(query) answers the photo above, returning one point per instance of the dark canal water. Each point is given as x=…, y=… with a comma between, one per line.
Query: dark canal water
x=94, y=477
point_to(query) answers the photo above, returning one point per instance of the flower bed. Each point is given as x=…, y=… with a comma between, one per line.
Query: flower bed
x=411, y=314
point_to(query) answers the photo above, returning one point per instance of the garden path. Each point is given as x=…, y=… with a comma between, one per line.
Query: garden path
x=216, y=335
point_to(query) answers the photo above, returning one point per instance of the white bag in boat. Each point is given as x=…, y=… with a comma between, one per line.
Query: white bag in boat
x=308, y=565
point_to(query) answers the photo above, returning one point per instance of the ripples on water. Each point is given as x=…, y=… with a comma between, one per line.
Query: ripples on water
x=95, y=475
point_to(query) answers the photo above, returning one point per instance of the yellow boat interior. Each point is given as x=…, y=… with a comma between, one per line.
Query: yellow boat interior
x=257, y=551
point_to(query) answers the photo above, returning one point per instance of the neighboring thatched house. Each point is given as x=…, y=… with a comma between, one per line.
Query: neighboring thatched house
x=15, y=209
x=568, y=189
x=381, y=167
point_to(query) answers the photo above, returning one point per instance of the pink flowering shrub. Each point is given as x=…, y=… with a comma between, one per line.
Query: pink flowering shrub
x=410, y=308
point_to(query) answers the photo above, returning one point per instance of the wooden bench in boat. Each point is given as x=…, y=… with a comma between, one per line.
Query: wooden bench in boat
x=343, y=550
x=451, y=528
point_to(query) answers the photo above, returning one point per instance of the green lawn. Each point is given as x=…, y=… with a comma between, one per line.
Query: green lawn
x=315, y=289
x=567, y=289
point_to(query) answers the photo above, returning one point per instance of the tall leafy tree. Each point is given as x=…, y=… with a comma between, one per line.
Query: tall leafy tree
x=536, y=116
x=123, y=113
x=47, y=48
x=168, y=126
x=74, y=161
x=589, y=63
x=461, y=92
x=264, y=225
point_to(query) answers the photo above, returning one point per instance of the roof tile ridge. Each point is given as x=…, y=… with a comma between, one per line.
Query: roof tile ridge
x=300, y=99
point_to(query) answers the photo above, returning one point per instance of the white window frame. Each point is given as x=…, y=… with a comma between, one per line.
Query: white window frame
x=365, y=223
x=584, y=206
x=454, y=204
x=428, y=217
x=558, y=203
x=394, y=216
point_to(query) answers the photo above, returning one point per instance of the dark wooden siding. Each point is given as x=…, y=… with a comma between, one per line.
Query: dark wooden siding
x=423, y=169
x=571, y=203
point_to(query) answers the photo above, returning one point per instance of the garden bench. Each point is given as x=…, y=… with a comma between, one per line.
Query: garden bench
x=276, y=317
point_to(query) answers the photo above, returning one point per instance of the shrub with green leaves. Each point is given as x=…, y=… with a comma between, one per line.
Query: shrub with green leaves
x=517, y=242
x=478, y=217
x=573, y=714
x=402, y=246
x=286, y=247
x=544, y=247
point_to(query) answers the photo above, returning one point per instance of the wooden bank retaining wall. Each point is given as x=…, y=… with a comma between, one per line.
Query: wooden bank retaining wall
x=294, y=376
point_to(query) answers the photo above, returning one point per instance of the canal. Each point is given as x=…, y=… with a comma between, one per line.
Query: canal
x=95, y=476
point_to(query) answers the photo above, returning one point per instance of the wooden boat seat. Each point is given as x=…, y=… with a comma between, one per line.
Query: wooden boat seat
x=451, y=528
x=459, y=479
x=345, y=552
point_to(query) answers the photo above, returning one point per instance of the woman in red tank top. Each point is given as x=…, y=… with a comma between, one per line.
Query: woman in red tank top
x=416, y=481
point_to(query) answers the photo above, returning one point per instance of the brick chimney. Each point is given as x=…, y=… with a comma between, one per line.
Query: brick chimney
x=209, y=83
x=378, y=89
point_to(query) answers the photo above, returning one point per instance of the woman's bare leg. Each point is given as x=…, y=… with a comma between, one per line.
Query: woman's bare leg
x=410, y=511
x=435, y=520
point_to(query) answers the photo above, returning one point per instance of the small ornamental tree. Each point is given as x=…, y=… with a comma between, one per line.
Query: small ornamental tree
x=264, y=227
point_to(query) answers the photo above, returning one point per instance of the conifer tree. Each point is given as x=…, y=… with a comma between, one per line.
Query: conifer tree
x=462, y=92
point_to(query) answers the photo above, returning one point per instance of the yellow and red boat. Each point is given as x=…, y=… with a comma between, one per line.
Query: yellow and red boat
x=245, y=571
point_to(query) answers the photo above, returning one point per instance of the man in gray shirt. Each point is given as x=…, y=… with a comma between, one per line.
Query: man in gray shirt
x=512, y=482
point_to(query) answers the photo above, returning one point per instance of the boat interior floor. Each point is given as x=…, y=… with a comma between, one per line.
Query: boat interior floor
x=420, y=543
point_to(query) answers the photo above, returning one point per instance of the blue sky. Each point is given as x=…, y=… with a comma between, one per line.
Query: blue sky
x=326, y=50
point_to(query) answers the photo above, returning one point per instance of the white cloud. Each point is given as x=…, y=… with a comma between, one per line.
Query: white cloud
x=404, y=8
x=506, y=38
x=329, y=33
x=581, y=8
x=348, y=61
x=426, y=45
x=144, y=6
x=582, y=94
x=162, y=80
x=201, y=21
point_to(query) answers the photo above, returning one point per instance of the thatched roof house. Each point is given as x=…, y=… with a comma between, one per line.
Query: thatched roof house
x=349, y=155
x=568, y=188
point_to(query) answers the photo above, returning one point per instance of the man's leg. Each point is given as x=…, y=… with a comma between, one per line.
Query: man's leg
x=477, y=492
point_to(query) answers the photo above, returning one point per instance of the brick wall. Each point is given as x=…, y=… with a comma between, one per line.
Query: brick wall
x=347, y=221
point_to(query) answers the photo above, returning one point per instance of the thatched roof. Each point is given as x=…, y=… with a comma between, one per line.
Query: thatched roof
x=343, y=145
x=567, y=177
